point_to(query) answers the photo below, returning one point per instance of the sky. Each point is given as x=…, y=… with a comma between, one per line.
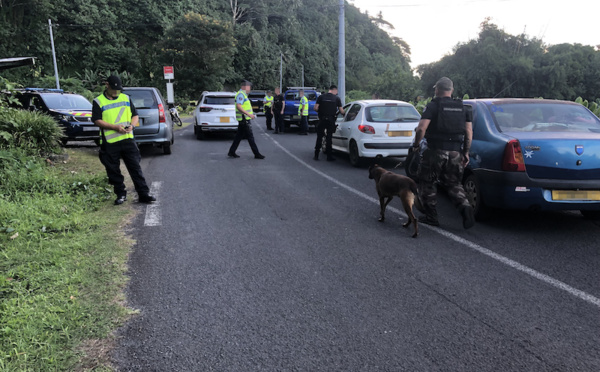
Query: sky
x=432, y=28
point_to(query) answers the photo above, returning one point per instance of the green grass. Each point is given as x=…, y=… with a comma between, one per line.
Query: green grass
x=62, y=265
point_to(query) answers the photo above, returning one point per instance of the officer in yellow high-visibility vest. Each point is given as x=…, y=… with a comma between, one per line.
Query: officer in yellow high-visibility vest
x=267, y=108
x=303, y=112
x=116, y=116
x=243, y=114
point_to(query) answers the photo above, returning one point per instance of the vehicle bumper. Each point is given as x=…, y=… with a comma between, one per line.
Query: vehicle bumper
x=216, y=128
x=164, y=135
x=374, y=147
x=515, y=190
x=78, y=132
x=312, y=119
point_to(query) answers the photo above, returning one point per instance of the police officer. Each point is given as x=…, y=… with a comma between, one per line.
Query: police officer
x=447, y=127
x=243, y=114
x=267, y=108
x=327, y=106
x=303, y=112
x=116, y=116
x=277, y=110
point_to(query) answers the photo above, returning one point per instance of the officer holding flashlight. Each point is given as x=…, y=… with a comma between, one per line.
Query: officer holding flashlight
x=116, y=116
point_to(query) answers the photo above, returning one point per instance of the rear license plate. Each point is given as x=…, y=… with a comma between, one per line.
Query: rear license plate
x=295, y=117
x=224, y=119
x=400, y=133
x=90, y=129
x=575, y=195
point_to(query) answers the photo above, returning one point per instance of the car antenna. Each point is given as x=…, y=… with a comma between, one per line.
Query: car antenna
x=509, y=85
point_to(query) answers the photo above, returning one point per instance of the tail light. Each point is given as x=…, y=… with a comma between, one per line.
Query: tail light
x=205, y=108
x=161, y=113
x=366, y=129
x=513, y=157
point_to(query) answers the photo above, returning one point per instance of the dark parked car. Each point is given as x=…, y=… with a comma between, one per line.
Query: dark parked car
x=257, y=98
x=72, y=111
x=534, y=154
x=156, y=126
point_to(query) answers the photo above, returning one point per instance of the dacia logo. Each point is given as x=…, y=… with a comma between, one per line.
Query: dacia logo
x=579, y=149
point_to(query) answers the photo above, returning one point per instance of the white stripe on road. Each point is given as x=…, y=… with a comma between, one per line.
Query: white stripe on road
x=153, y=216
x=476, y=247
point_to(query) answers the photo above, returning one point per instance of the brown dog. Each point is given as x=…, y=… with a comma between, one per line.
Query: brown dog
x=388, y=185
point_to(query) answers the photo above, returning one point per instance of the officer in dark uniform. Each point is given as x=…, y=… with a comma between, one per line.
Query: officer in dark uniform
x=447, y=127
x=277, y=110
x=327, y=106
x=116, y=116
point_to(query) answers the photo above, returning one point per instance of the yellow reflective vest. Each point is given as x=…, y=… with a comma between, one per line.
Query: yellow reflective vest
x=118, y=112
x=268, y=101
x=246, y=105
x=303, y=108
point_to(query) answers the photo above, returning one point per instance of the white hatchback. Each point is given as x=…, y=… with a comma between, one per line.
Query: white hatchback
x=375, y=128
x=215, y=113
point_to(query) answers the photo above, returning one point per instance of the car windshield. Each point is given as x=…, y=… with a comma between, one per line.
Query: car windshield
x=66, y=102
x=391, y=114
x=142, y=98
x=219, y=100
x=544, y=117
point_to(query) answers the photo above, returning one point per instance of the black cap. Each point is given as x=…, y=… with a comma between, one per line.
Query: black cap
x=114, y=82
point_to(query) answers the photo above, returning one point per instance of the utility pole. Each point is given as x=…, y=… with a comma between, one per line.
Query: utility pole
x=53, y=54
x=342, y=56
x=302, y=83
x=280, y=72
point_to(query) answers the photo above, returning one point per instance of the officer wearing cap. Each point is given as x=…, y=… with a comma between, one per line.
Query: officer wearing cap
x=268, y=109
x=447, y=127
x=243, y=114
x=116, y=116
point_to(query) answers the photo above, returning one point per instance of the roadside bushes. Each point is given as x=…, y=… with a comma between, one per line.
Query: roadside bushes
x=33, y=132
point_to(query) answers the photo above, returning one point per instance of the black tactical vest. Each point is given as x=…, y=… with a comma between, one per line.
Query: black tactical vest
x=448, y=131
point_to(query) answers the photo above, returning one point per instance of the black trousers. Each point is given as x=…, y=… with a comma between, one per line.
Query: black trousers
x=326, y=127
x=244, y=131
x=111, y=155
x=269, y=117
x=279, y=125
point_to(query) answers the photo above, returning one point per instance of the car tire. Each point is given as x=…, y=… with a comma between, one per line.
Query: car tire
x=591, y=215
x=354, y=155
x=473, y=190
x=200, y=134
x=167, y=148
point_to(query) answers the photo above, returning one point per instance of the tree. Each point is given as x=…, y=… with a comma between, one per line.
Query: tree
x=201, y=49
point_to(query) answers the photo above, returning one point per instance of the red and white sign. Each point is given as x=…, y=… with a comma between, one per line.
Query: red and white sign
x=169, y=72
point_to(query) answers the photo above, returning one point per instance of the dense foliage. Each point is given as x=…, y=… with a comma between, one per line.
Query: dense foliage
x=497, y=64
x=211, y=43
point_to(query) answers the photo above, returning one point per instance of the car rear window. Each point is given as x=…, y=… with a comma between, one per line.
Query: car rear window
x=142, y=99
x=544, y=117
x=219, y=100
x=294, y=96
x=66, y=102
x=391, y=114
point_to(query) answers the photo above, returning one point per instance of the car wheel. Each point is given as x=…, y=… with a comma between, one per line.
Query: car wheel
x=167, y=148
x=354, y=155
x=200, y=134
x=473, y=191
x=591, y=215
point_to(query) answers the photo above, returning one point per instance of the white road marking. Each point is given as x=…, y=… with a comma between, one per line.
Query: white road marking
x=476, y=247
x=153, y=215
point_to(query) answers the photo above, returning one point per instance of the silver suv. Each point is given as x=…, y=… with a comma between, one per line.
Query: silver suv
x=156, y=126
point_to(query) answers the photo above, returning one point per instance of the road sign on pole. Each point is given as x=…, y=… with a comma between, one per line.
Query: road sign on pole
x=169, y=72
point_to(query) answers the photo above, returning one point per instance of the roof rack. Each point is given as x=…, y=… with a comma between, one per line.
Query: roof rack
x=44, y=90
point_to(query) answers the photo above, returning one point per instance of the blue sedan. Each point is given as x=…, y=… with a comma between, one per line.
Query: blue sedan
x=533, y=154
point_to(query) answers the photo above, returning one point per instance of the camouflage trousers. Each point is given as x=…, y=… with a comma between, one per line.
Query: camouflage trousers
x=443, y=167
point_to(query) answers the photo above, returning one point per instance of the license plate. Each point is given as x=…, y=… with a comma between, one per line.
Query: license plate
x=295, y=117
x=575, y=195
x=90, y=129
x=224, y=119
x=400, y=133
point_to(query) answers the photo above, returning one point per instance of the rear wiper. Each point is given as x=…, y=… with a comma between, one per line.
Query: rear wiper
x=405, y=119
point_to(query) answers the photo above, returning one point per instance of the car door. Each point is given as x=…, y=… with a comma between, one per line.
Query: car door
x=350, y=123
x=336, y=140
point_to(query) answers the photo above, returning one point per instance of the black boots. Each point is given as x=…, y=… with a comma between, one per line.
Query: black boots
x=316, y=157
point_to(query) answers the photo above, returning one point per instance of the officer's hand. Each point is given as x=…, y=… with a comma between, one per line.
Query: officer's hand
x=252, y=116
x=129, y=129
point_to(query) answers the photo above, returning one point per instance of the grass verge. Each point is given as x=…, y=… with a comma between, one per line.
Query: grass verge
x=63, y=256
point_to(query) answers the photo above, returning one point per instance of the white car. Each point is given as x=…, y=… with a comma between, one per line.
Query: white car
x=215, y=113
x=375, y=128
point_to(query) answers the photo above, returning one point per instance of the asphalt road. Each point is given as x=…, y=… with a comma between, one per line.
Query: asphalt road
x=281, y=265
